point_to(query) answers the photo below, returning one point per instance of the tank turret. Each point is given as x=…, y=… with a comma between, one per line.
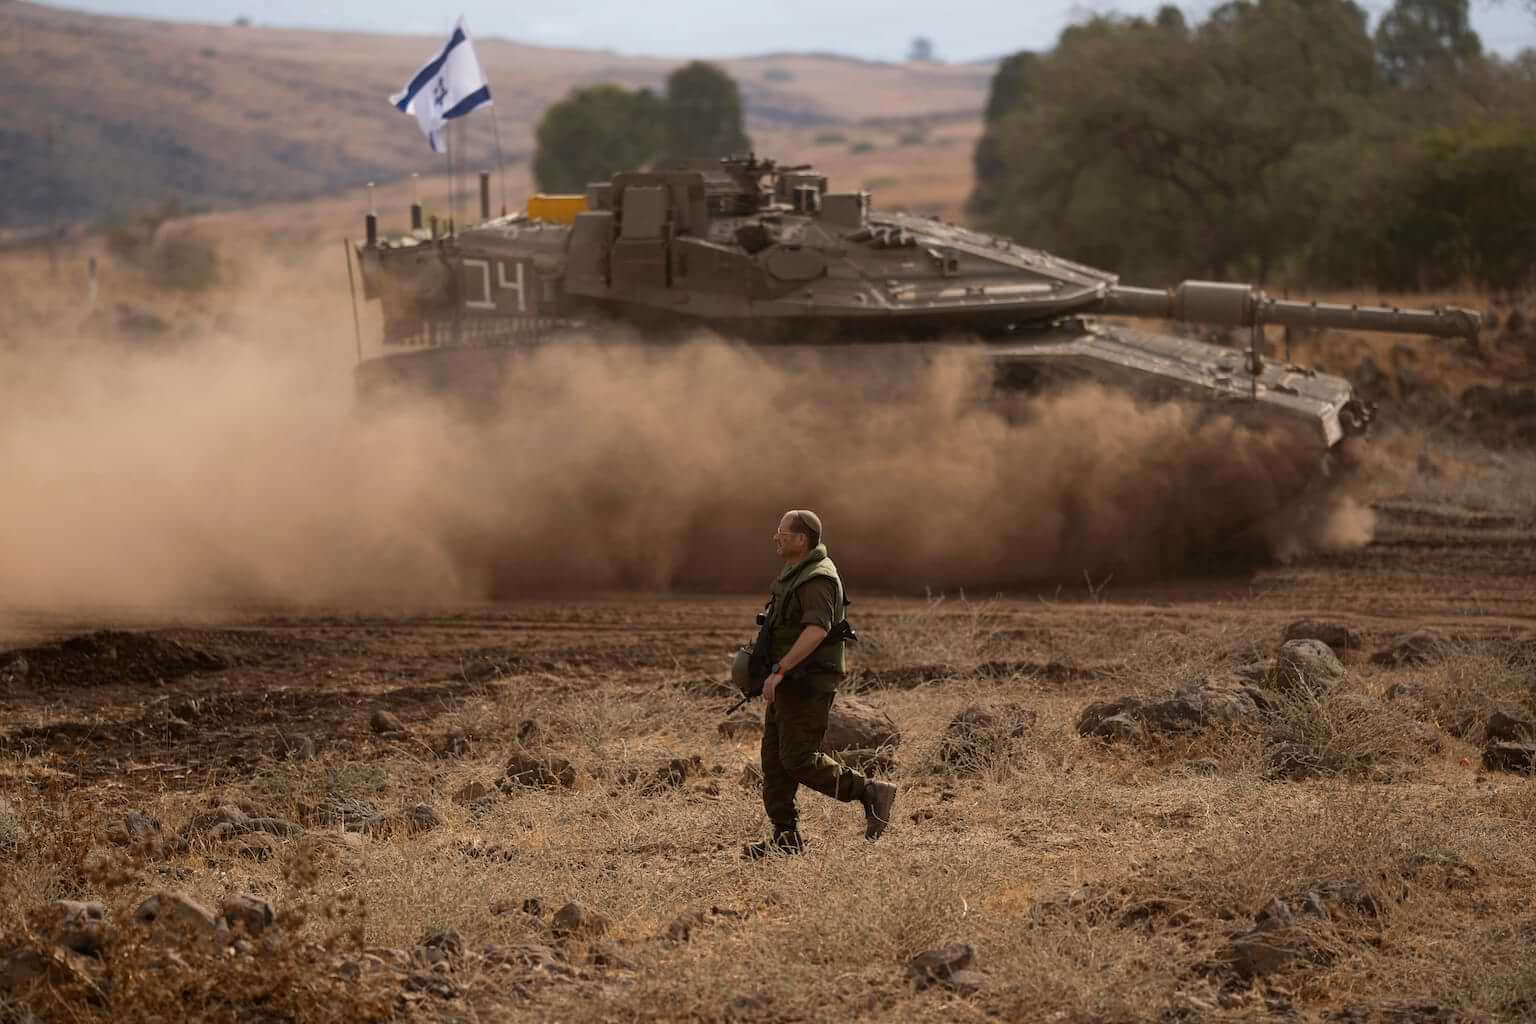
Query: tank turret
x=770, y=255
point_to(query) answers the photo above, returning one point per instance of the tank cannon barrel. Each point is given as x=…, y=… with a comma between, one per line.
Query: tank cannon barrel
x=1241, y=305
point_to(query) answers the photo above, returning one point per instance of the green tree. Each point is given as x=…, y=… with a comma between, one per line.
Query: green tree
x=1442, y=199
x=1012, y=84
x=703, y=113
x=921, y=50
x=1422, y=42
x=1160, y=150
x=594, y=133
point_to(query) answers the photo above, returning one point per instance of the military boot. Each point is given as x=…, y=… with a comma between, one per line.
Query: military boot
x=785, y=841
x=878, y=799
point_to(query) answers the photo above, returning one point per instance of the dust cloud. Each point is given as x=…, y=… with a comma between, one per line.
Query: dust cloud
x=235, y=472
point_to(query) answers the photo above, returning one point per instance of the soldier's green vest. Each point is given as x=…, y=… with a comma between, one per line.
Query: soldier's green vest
x=786, y=627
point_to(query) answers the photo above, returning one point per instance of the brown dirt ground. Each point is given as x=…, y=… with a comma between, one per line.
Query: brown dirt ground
x=1095, y=883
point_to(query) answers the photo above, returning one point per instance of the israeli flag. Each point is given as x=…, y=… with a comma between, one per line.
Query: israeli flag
x=447, y=86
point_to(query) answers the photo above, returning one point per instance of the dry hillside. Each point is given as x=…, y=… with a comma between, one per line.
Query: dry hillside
x=138, y=113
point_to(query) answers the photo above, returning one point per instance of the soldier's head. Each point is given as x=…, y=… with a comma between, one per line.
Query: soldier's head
x=799, y=531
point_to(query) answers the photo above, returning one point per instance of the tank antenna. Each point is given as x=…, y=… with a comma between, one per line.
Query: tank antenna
x=357, y=330
x=1255, y=340
x=501, y=170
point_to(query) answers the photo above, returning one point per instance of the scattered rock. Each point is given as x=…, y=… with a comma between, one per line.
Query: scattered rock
x=681, y=929
x=249, y=913
x=1117, y=728
x=1232, y=704
x=386, y=723
x=948, y=965
x=746, y=722
x=676, y=771
x=965, y=982
x=1095, y=719
x=978, y=734
x=1510, y=757
x=1337, y=635
x=528, y=770
x=453, y=744
x=171, y=912
x=413, y=819
x=669, y=775
x=255, y=846
x=856, y=724
x=444, y=946
x=609, y=957
x=575, y=921
x=1307, y=666
x=1262, y=951
x=1254, y=673
x=1424, y=647
x=531, y=956
x=228, y=815
x=1276, y=939
x=75, y=926
x=1507, y=728
x=1195, y=707
x=471, y=793
x=1293, y=761
x=295, y=747
x=337, y=811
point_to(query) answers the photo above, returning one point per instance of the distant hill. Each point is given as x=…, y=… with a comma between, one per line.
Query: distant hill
x=103, y=117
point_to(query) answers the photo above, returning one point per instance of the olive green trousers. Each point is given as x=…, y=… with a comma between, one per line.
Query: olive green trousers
x=793, y=728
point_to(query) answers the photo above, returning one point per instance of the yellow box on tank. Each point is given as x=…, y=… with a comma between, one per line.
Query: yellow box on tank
x=556, y=209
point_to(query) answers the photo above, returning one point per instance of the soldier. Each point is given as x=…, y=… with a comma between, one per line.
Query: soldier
x=808, y=600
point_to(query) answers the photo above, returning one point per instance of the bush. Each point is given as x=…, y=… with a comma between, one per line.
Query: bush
x=183, y=260
x=188, y=263
x=1340, y=735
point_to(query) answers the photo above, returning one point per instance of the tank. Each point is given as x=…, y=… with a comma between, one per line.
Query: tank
x=768, y=254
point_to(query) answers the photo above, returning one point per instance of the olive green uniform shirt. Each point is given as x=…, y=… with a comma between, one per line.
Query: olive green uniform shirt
x=818, y=602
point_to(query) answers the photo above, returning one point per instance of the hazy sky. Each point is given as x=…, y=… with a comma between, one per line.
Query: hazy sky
x=877, y=29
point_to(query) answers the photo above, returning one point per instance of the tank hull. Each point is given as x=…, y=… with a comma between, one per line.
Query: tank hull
x=475, y=371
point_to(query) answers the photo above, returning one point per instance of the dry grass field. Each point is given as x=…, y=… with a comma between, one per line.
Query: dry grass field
x=419, y=796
